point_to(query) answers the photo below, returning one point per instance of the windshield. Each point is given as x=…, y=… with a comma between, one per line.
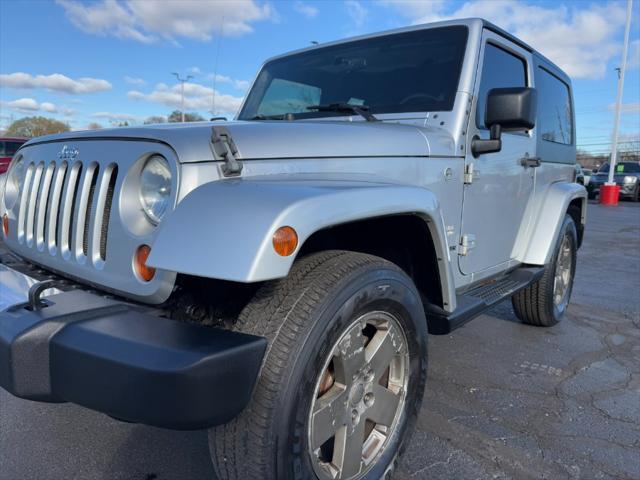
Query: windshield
x=404, y=72
x=622, y=167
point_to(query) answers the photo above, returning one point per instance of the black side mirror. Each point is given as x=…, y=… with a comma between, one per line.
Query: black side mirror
x=509, y=109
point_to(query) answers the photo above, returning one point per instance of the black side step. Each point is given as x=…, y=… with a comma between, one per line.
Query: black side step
x=473, y=302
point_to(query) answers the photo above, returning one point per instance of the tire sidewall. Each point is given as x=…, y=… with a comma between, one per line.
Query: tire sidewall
x=568, y=228
x=374, y=289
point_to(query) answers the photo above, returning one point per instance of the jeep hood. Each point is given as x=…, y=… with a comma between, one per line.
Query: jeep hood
x=282, y=139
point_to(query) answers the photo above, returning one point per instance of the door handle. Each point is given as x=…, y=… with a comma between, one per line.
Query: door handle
x=532, y=162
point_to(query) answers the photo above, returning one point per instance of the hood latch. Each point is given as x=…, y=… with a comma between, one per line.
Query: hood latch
x=224, y=147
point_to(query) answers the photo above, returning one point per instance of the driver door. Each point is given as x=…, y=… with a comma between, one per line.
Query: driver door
x=496, y=199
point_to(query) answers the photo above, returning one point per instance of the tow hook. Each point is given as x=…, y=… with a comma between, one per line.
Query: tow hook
x=36, y=303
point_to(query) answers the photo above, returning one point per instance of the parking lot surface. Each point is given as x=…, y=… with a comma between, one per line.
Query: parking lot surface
x=503, y=400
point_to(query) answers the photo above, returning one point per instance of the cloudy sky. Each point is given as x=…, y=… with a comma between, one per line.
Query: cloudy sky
x=109, y=61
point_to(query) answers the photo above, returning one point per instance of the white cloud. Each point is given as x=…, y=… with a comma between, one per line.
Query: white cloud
x=30, y=105
x=55, y=81
x=148, y=20
x=196, y=97
x=48, y=107
x=134, y=80
x=626, y=107
x=117, y=117
x=581, y=38
x=242, y=85
x=24, y=104
x=357, y=12
x=305, y=9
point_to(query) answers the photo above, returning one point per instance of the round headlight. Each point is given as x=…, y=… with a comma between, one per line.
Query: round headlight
x=155, y=188
x=15, y=177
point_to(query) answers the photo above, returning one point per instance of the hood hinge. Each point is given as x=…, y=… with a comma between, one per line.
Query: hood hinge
x=224, y=147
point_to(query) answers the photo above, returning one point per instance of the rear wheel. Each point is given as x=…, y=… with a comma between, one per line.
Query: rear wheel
x=343, y=377
x=544, y=302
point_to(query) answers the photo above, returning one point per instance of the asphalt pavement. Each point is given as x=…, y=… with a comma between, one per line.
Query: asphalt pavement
x=504, y=400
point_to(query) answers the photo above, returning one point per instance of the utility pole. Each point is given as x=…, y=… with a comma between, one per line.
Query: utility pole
x=621, y=72
x=182, y=82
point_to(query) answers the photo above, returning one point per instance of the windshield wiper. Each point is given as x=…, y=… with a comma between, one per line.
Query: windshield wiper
x=284, y=116
x=362, y=110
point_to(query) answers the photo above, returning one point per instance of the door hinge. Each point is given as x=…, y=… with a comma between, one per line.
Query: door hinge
x=468, y=173
x=467, y=243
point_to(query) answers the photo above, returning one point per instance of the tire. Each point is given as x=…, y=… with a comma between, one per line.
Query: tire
x=303, y=316
x=636, y=195
x=535, y=304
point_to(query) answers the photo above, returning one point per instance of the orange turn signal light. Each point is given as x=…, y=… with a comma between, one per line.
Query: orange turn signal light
x=5, y=225
x=145, y=272
x=285, y=241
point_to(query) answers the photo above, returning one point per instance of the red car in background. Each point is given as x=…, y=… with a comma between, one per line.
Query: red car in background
x=8, y=148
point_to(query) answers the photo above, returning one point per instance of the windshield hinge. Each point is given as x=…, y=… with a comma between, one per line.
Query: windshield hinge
x=467, y=243
x=224, y=147
x=468, y=173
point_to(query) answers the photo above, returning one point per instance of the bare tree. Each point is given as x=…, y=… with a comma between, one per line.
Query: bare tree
x=36, y=126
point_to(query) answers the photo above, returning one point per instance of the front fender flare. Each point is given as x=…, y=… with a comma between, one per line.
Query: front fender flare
x=547, y=225
x=224, y=229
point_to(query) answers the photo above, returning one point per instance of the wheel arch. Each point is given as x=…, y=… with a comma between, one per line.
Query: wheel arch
x=403, y=239
x=561, y=198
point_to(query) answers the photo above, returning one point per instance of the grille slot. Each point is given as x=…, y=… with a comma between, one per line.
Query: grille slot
x=68, y=207
x=33, y=200
x=111, y=175
x=22, y=216
x=43, y=204
x=54, y=208
x=87, y=211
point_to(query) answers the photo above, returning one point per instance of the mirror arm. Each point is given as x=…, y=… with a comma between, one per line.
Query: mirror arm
x=496, y=132
x=492, y=145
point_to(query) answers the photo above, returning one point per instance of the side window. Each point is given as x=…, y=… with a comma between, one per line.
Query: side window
x=555, y=119
x=284, y=95
x=2, y=149
x=500, y=69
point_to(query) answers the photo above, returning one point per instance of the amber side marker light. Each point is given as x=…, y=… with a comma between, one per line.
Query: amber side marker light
x=285, y=241
x=5, y=225
x=140, y=263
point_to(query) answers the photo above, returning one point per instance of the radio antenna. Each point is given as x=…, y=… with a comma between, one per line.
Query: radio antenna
x=215, y=68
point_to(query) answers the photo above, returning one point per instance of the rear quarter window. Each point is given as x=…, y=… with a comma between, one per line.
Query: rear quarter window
x=555, y=116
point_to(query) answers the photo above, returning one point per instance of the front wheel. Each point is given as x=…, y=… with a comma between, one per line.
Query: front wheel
x=343, y=377
x=544, y=302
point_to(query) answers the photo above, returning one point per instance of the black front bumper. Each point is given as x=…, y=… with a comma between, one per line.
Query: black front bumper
x=122, y=360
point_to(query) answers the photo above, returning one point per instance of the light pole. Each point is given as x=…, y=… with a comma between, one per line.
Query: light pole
x=609, y=191
x=182, y=81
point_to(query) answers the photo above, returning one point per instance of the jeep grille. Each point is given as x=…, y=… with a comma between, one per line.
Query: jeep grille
x=56, y=208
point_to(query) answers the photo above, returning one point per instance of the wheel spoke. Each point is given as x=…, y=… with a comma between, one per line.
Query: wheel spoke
x=380, y=352
x=347, y=454
x=385, y=405
x=350, y=356
x=328, y=416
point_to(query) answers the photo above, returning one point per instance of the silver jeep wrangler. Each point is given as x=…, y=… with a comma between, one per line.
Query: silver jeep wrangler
x=275, y=278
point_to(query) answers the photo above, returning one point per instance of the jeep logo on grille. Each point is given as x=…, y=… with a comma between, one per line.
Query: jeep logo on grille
x=68, y=153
